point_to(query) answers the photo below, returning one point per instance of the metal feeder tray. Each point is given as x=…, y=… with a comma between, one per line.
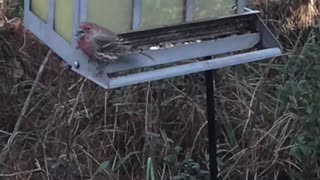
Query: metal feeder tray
x=238, y=39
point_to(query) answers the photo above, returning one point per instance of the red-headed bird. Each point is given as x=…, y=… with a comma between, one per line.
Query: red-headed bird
x=101, y=44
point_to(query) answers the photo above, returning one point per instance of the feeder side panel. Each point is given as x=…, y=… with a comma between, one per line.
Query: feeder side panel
x=212, y=8
x=63, y=18
x=40, y=9
x=113, y=14
x=155, y=13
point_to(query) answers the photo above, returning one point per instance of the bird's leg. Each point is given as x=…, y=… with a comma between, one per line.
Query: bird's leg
x=100, y=67
x=100, y=74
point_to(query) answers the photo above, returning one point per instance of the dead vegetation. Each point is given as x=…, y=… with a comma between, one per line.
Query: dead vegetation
x=73, y=129
x=293, y=14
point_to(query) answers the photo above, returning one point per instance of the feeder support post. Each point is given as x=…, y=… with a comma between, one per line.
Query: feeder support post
x=212, y=147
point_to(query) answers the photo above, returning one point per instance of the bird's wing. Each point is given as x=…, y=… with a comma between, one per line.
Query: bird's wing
x=101, y=39
x=109, y=44
x=106, y=48
x=115, y=47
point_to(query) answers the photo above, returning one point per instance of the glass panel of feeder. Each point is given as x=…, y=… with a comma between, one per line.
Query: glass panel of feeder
x=212, y=8
x=115, y=15
x=40, y=8
x=155, y=13
x=63, y=18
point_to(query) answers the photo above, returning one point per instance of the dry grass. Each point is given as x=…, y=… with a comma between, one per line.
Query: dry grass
x=72, y=127
x=292, y=14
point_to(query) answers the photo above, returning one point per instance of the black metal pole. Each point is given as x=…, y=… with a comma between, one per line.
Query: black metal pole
x=211, y=126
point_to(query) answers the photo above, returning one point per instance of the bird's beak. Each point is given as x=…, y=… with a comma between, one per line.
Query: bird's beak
x=79, y=34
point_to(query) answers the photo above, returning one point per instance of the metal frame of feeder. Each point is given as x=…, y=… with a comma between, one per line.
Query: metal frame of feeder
x=67, y=51
x=45, y=32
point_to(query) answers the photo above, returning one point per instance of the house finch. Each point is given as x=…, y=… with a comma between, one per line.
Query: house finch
x=101, y=44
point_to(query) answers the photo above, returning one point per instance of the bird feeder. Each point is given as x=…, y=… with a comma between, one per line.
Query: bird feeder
x=175, y=33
